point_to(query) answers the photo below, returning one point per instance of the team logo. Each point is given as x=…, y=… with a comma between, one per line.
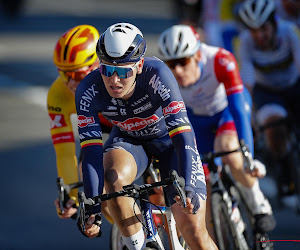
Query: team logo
x=84, y=121
x=57, y=121
x=136, y=123
x=173, y=108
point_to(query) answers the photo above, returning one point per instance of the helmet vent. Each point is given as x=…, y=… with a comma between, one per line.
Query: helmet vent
x=67, y=45
x=166, y=47
x=186, y=47
x=89, y=58
x=65, y=52
x=119, y=30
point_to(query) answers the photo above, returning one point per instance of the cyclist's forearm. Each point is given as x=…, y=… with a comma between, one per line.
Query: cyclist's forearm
x=92, y=169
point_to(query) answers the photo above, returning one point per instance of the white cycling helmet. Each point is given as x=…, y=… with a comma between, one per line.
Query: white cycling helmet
x=178, y=41
x=121, y=43
x=255, y=13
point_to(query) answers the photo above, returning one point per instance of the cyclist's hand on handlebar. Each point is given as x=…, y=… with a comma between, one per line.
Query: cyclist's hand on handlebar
x=259, y=169
x=192, y=201
x=92, y=226
x=91, y=230
x=69, y=209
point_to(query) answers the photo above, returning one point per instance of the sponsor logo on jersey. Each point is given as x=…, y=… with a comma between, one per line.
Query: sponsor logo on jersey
x=145, y=132
x=140, y=100
x=63, y=137
x=123, y=111
x=111, y=108
x=57, y=121
x=87, y=97
x=114, y=101
x=51, y=108
x=178, y=122
x=145, y=107
x=197, y=173
x=90, y=134
x=136, y=123
x=173, y=108
x=84, y=121
x=159, y=87
x=112, y=113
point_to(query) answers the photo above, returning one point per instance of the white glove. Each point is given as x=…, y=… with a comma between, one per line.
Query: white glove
x=261, y=167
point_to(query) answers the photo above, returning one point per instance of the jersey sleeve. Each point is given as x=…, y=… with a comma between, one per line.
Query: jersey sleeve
x=60, y=107
x=90, y=135
x=227, y=72
x=180, y=129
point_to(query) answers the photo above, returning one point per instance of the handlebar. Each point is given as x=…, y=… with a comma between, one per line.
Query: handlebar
x=248, y=160
x=132, y=190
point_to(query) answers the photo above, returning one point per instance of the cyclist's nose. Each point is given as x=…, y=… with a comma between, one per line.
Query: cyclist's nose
x=115, y=77
x=178, y=68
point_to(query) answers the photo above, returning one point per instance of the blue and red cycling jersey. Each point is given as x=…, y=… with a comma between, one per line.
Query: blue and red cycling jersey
x=155, y=110
x=218, y=102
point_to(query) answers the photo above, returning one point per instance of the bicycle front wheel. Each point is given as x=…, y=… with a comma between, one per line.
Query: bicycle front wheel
x=225, y=232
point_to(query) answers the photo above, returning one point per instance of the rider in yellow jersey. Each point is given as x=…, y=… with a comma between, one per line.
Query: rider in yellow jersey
x=74, y=56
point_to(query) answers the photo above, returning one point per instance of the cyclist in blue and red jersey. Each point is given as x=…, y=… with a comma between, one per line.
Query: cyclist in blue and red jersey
x=270, y=68
x=218, y=106
x=140, y=96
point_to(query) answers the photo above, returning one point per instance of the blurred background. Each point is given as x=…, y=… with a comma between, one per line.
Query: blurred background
x=29, y=30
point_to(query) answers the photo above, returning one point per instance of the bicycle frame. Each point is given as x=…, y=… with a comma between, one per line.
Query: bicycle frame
x=150, y=209
x=141, y=193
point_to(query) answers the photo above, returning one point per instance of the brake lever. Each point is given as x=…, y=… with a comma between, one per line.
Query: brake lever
x=61, y=194
x=179, y=184
x=82, y=211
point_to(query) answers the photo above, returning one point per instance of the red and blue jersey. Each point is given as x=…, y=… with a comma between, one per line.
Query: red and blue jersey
x=220, y=87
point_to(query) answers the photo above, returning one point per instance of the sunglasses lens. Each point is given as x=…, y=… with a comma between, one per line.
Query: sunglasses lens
x=181, y=61
x=123, y=72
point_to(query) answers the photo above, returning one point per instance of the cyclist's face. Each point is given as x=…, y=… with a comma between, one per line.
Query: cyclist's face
x=264, y=37
x=186, y=70
x=116, y=86
x=73, y=78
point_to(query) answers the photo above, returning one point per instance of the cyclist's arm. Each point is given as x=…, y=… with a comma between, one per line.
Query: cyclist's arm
x=181, y=133
x=90, y=137
x=63, y=137
x=227, y=72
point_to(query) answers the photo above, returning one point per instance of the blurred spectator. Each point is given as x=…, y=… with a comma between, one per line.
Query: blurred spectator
x=12, y=8
x=289, y=10
x=189, y=12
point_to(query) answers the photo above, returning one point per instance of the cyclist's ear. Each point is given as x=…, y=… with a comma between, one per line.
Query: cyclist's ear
x=140, y=65
x=197, y=56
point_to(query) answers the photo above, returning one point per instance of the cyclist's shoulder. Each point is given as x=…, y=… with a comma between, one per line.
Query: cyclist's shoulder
x=60, y=96
x=287, y=28
x=157, y=73
x=154, y=64
x=91, y=85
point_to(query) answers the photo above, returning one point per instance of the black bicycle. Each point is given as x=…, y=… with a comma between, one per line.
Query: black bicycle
x=234, y=224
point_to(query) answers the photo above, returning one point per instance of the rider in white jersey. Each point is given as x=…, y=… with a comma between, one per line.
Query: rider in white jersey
x=270, y=66
x=218, y=106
